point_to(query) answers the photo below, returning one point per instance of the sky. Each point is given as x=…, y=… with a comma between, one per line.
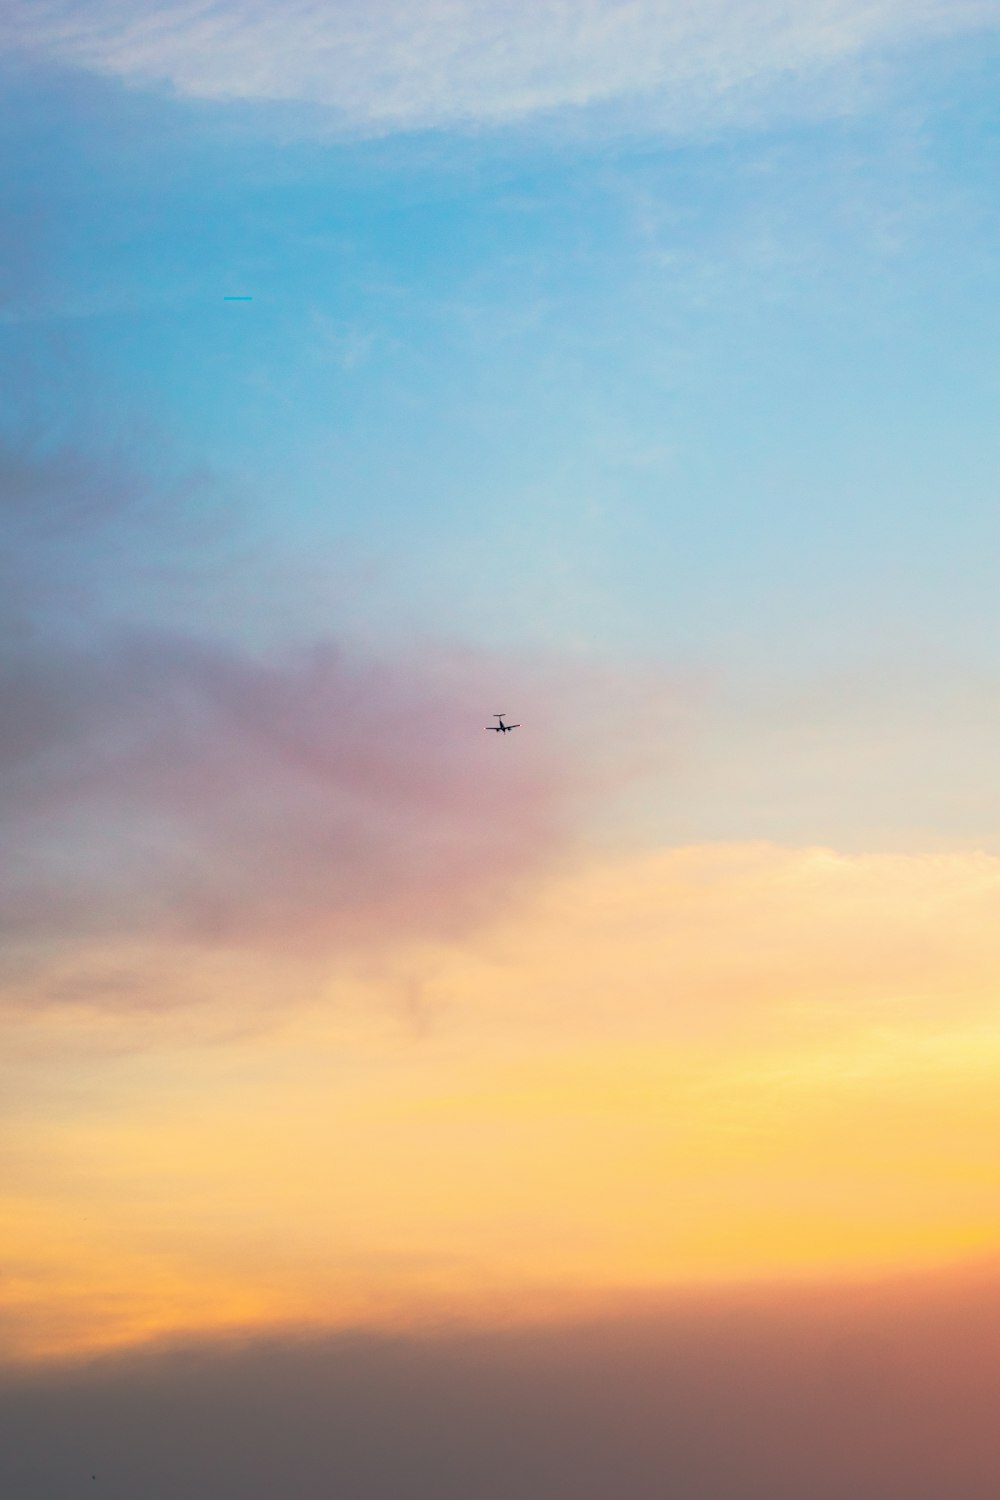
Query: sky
x=389, y=1108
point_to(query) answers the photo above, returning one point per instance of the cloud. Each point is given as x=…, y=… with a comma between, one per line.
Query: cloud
x=701, y=1066
x=392, y=64
x=881, y=1393
x=161, y=784
x=751, y=939
x=155, y=781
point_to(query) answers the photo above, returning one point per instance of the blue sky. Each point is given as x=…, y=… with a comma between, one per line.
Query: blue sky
x=730, y=397
x=719, y=397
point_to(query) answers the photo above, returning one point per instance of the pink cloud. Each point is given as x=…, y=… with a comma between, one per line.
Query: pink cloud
x=160, y=784
x=156, y=781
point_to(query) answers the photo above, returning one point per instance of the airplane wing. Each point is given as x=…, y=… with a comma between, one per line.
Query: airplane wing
x=513, y=726
x=495, y=727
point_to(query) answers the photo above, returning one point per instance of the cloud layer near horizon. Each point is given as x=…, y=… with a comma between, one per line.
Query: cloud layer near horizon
x=885, y=1392
x=398, y=65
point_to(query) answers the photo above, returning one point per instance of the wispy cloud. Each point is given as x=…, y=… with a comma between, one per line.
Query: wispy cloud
x=387, y=64
x=180, y=785
x=159, y=779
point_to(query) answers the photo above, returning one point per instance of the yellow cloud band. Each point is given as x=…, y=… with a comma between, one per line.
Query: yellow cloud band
x=721, y=1063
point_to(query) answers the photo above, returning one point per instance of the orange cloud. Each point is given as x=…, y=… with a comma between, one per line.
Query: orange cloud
x=717, y=1064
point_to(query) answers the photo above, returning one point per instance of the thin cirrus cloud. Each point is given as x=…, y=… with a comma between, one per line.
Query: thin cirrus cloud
x=394, y=64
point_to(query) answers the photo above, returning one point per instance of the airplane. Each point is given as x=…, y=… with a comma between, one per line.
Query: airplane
x=501, y=728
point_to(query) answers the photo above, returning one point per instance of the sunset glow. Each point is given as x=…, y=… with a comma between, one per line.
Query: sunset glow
x=390, y=1109
x=708, y=1066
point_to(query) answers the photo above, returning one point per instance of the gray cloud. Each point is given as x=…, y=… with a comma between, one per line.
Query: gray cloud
x=878, y=1394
